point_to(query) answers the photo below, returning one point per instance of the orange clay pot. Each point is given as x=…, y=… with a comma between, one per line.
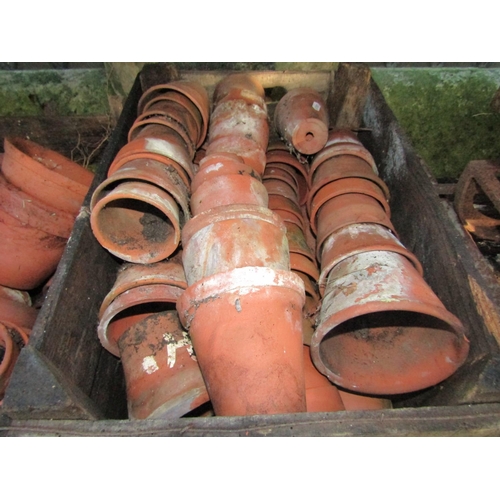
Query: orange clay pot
x=162, y=376
x=28, y=256
x=357, y=238
x=321, y=395
x=237, y=118
x=137, y=222
x=280, y=188
x=247, y=149
x=32, y=212
x=170, y=152
x=297, y=241
x=301, y=119
x=382, y=330
x=348, y=209
x=356, y=402
x=283, y=173
x=287, y=209
x=251, y=354
x=45, y=175
x=305, y=265
x=194, y=91
x=229, y=237
x=225, y=190
x=239, y=85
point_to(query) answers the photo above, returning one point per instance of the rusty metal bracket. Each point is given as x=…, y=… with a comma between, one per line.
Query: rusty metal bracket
x=479, y=177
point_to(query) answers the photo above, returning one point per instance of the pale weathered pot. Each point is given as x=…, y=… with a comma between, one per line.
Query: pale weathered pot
x=246, y=328
x=382, y=330
x=321, y=395
x=301, y=119
x=45, y=174
x=224, y=238
x=239, y=86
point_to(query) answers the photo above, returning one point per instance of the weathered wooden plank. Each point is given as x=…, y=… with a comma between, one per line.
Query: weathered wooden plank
x=474, y=420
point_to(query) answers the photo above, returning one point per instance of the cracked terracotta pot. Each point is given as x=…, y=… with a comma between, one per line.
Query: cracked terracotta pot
x=355, y=402
x=239, y=86
x=321, y=395
x=194, y=91
x=28, y=256
x=382, y=330
x=301, y=119
x=169, y=151
x=46, y=175
x=251, y=357
x=348, y=209
x=34, y=213
x=225, y=190
x=358, y=238
x=228, y=237
x=237, y=118
x=137, y=222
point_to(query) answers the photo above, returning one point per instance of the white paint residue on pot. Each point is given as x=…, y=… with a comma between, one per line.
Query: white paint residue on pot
x=149, y=365
x=316, y=106
x=173, y=345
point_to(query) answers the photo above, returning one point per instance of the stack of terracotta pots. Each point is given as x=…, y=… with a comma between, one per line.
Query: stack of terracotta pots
x=138, y=212
x=243, y=305
x=381, y=329
x=41, y=193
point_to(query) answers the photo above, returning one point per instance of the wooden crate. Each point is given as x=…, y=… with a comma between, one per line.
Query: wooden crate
x=65, y=383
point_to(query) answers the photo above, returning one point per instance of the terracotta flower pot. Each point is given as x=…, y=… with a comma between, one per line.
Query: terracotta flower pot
x=301, y=119
x=247, y=149
x=162, y=376
x=225, y=190
x=355, y=402
x=305, y=265
x=288, y=210
x=297, y=241
x=382, y=330
x=165, y=151
x=283, y=173
x=239, y=86
x=194, y=91
x=280, y=188
x=348, y=209
x=357, y=238
x=321, y=395
x=28, y=256
x=32, y=212
x=45, y=174
x=345, y=168
x=228, y=237
x=237, y=118
x=137, y=222
x=251, y=356
x=345, y=186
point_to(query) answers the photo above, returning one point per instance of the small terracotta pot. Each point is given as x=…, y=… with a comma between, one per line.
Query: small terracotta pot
x=348, y=209
x=321, y=395
x=283, y=173
x=280, y=188
x=346, y=168
x=225, y=190
x=223, y=164
x=45, y=174
x=162, y=150
x=192, y=90
x=228, y=237
x=305, y=265
x=237, y=118
x=301, y=119
x=382, y=330
x=357, y=238
x=28, y=256
x=355, y=402
x=345, y=186
x=259, y=370
x=287, y=217
x=247, y=149
x=137, y=222
x=288, y=209
x=238, y=85
x=159, y=127
x=32, y=212
x=297, y=241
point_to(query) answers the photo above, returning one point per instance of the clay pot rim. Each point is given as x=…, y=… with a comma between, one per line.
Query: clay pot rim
x=283, y=167
x=309, y=287
x=195, y=92
x=331, y=190
x=161, y=200
x=278, y=202
x=128, y=299
x=229, y=212
x=299, y=262
x=281, y=188
x=280, y=156
x=341, y=150
x=346, y=314
x=242, y=279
